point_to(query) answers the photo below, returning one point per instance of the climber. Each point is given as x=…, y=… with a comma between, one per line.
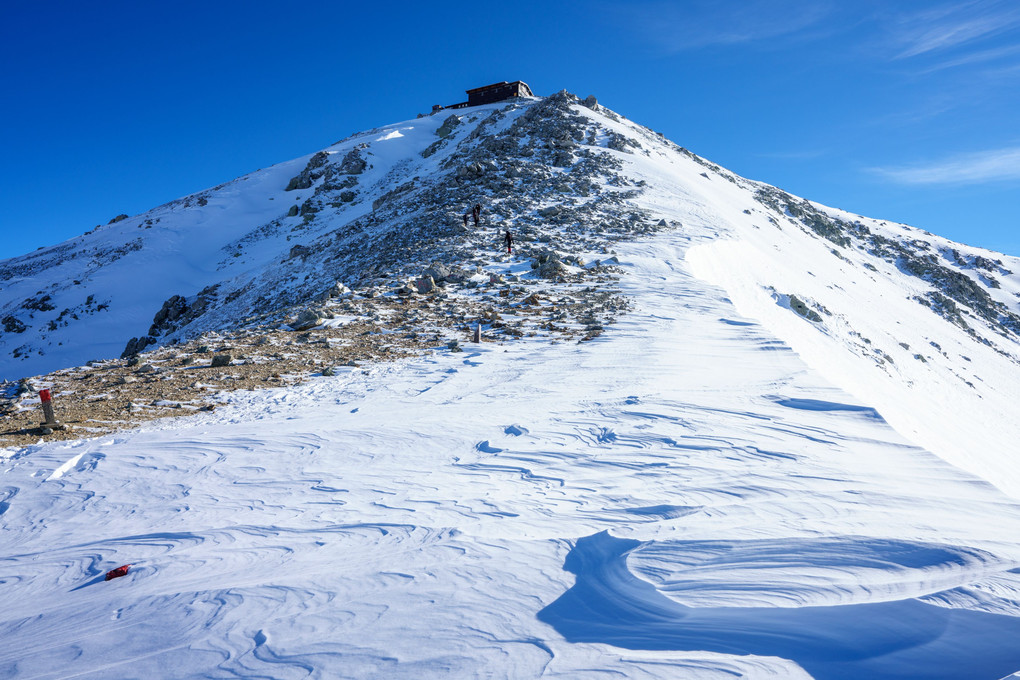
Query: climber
x=465, y=219
x=476, y=212
x=509, y=241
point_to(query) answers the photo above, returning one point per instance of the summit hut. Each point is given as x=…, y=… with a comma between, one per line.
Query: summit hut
x=496, y=92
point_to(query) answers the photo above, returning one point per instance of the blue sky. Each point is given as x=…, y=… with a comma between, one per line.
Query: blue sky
x=898, y=110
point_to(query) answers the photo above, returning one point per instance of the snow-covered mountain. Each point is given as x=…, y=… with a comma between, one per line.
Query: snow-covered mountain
x=925, y=329
x=791, y=457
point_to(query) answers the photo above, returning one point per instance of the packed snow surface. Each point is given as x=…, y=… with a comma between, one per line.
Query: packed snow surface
x=681, y=497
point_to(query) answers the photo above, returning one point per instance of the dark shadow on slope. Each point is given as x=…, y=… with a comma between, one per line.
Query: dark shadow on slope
x=883, y=640
x=819, y=405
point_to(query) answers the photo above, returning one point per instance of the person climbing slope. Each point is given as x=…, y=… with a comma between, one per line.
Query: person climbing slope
x=509, y=241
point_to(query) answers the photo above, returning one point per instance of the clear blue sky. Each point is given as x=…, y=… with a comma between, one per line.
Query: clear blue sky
x=900, y=110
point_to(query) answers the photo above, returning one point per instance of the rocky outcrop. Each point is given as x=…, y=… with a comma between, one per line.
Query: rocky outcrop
x=313, y=171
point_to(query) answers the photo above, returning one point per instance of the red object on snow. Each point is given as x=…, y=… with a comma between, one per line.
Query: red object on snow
x=44, y=396
x=118, y=572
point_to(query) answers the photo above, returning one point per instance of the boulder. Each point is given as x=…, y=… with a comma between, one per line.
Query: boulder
x=551, y=269
x=220, y=360
x=438, y=271
x=424, y=284
x=550, y=211
x=307, y=318
x=299, y=251
x=471, y=170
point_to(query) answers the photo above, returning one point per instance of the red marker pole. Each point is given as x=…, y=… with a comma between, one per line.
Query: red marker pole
x=47, y=406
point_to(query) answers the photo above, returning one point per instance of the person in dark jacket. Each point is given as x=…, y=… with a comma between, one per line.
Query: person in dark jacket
x=509, y=241
x=476, y=212
x=465, y=219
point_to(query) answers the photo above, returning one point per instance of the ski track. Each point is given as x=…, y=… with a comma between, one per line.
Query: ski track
x=620, y=508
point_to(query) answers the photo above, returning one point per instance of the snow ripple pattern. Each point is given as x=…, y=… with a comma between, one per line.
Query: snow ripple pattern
x=681, y=497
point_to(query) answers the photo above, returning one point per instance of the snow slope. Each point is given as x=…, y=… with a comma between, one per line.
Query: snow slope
x=683, y=497
x=716, y=486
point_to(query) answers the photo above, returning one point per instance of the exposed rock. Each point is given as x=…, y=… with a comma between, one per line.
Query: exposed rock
x=448, y=126
x=118, y=218
x=13, y=325
x=312, y=172
x=299, y=251
x=353, y=163
x=797, y=305
x=171, y=310
x=438, y=271
x=308, y=318
x=220, y=360
x=424, y=285
x=136, y=345
x=471, y=170
x=293, y=212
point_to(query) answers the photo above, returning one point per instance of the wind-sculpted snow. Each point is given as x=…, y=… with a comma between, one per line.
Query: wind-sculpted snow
x=681, y=497
x=874, y=638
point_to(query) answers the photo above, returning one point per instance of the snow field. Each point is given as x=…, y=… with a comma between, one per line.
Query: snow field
x=682, y=497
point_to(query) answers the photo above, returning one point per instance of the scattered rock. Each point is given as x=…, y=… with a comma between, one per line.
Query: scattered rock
x=221, y=360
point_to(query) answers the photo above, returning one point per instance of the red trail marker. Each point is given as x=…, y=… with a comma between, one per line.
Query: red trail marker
x=117, y=573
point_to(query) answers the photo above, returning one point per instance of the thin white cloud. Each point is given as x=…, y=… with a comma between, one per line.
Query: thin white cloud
x=971, y=168
x=982, y=56
x=695, y=24
x=950, y=26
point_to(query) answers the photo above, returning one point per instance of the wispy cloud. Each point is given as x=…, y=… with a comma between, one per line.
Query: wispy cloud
x=970, y=168
x=950, y=26
x=694, y=24
x=980, y=57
